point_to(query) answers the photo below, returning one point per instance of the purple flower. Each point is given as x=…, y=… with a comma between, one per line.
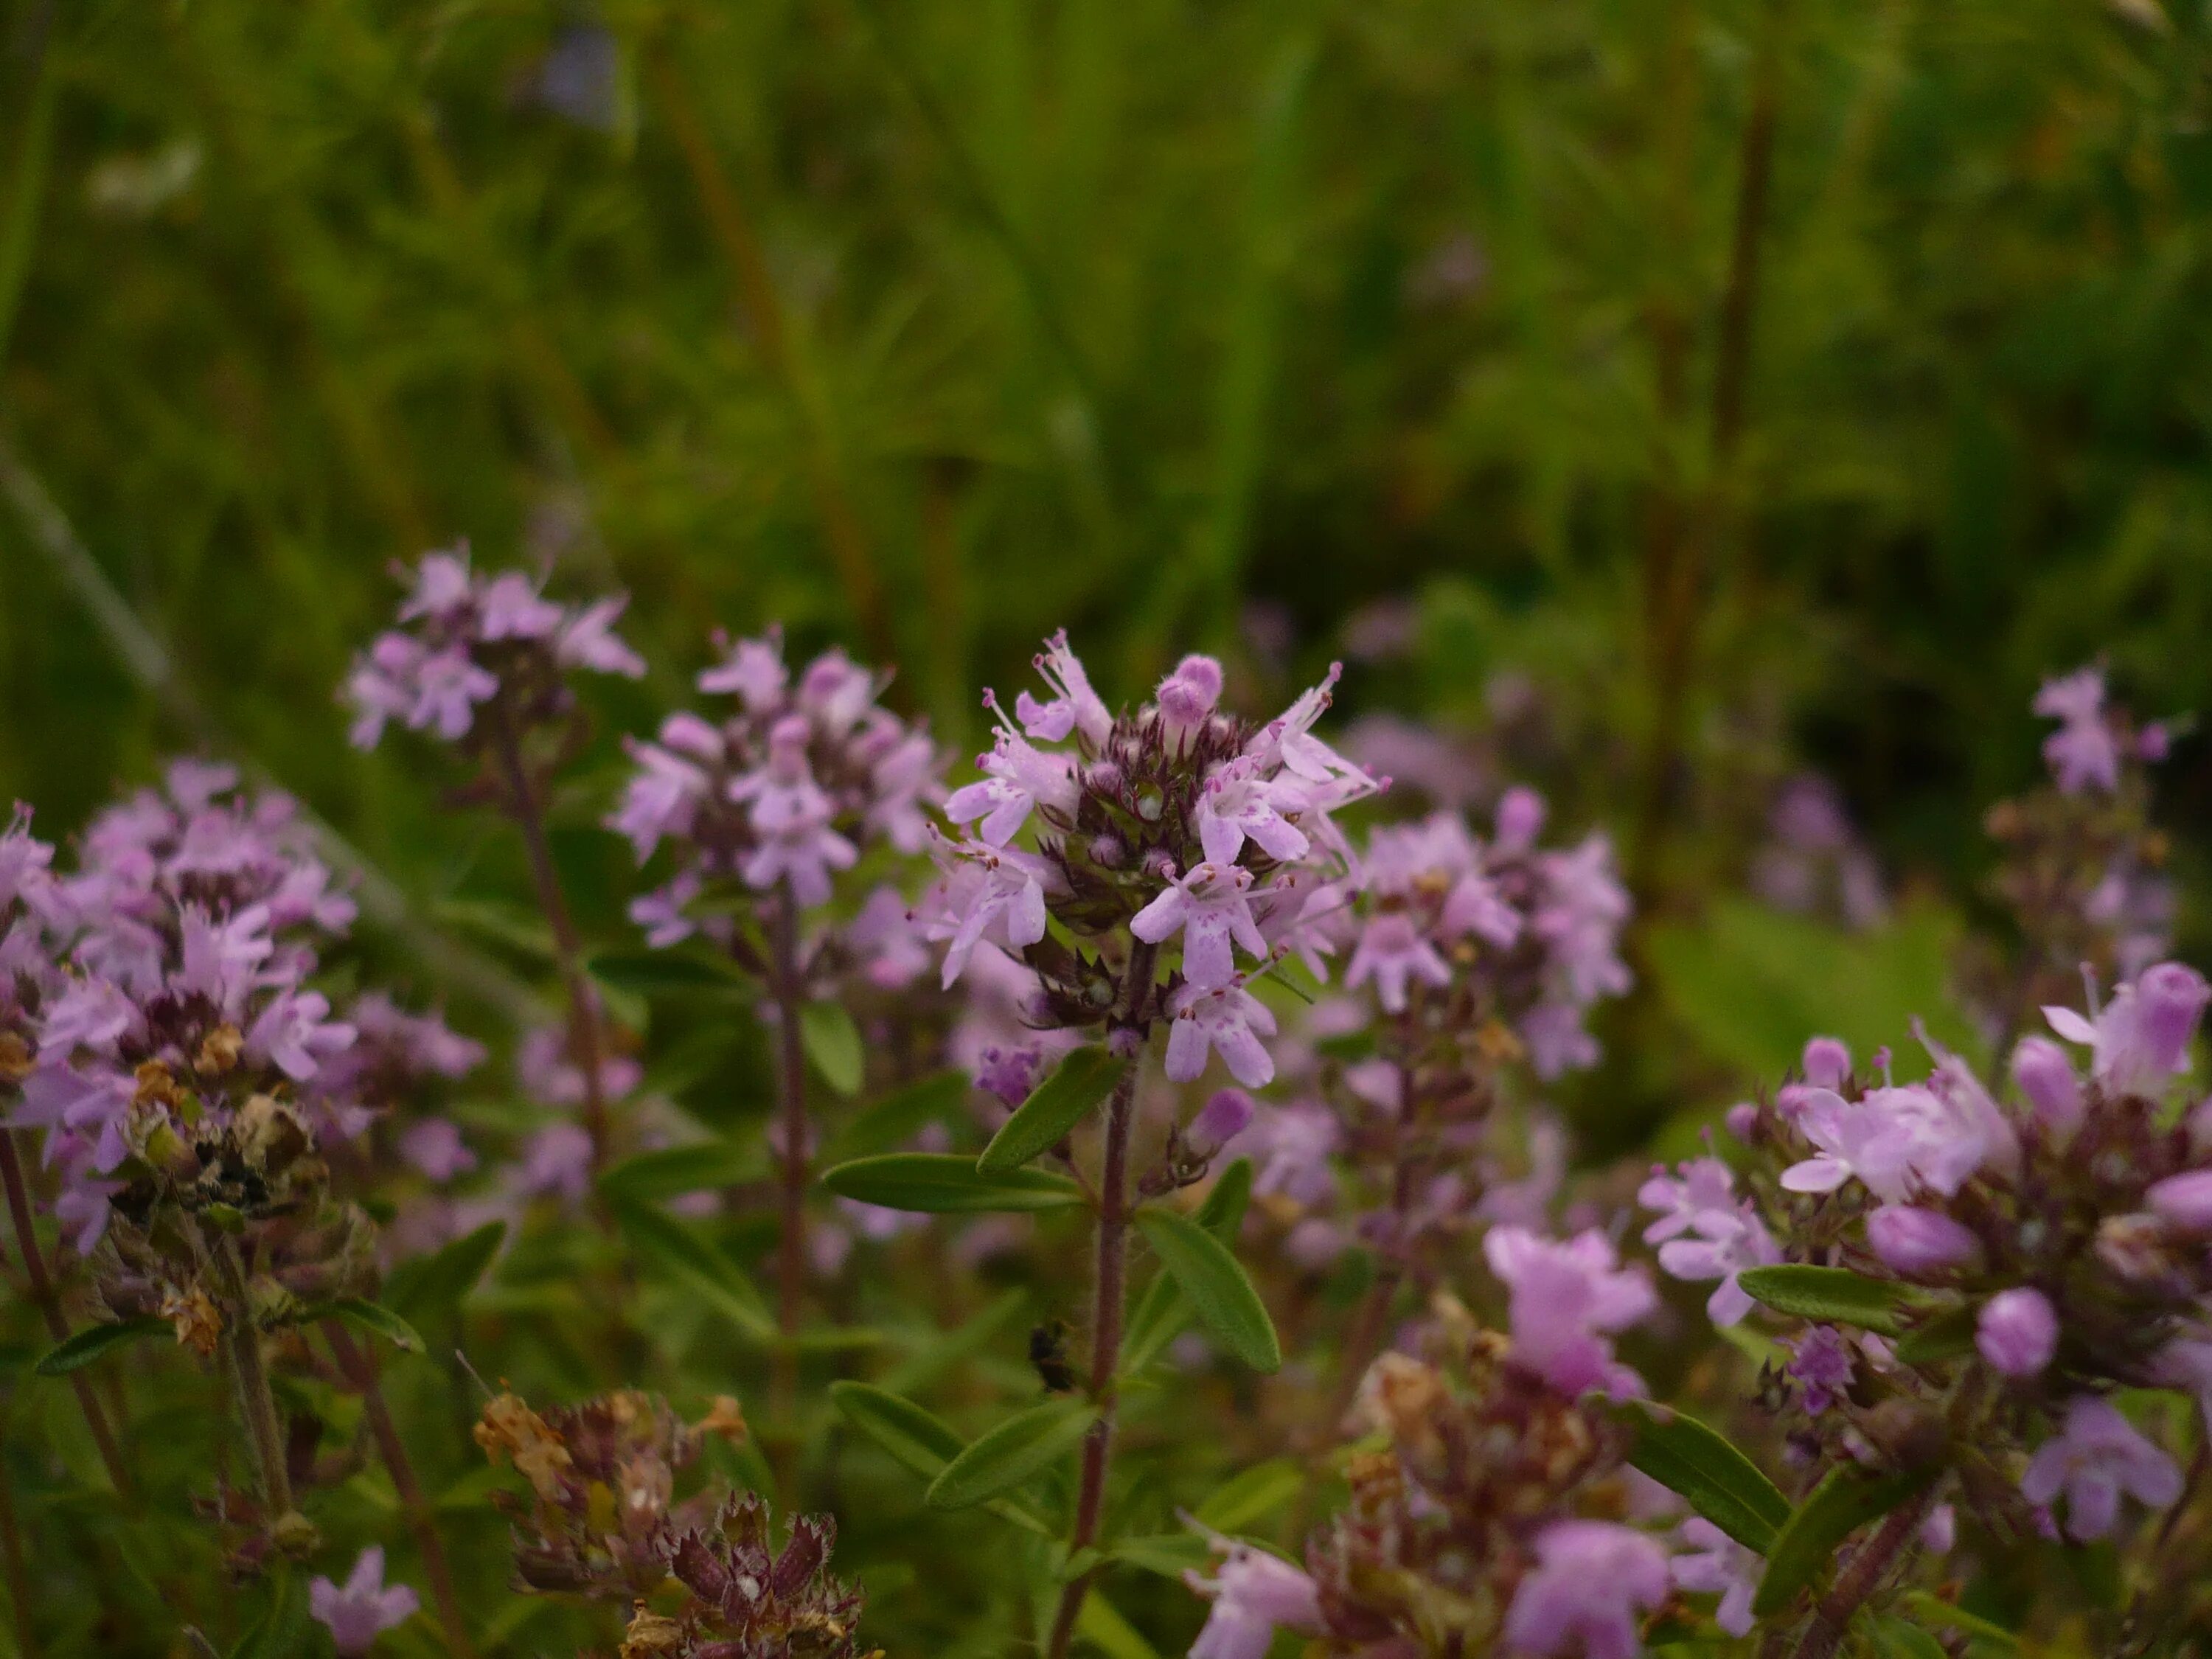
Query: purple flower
x=1821, y=1362
x=1722, y=1253
x=1229, y=1019
x=1210, y=908
x=2082, y=752
x=434, y=1146
x=2142, y=1037
x=1290, y=1148
x=1075, y=708
x=1826, y=1062
x=1715, y=1564
x=1916, y=1242
x=1702, y=1201
x=1521, y=812
x=993, y=896
x=1187, y=698
x=2017, y=1331
x=2184, y=1200
x=587, y=640
x=2046, y=1077
x=362, y=1609
x=1855, y=1140
x=556, y=1161
x=1591, y=1580
x=1392, y=952
x=1566, y=1297
x=1253, y=1595
x=2185, y=1362
x=2097, y=1455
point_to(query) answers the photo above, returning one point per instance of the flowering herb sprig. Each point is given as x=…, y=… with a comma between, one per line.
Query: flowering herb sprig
x=1145, y=866
x=762, y=811
x=484, y=663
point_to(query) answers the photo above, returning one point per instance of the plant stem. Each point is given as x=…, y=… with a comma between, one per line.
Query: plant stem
x=42, y=1292
x=1109, y=1290
x=360, y=1370
x=1833, y=1613
x=19, y=1579
x=791, y=1260
x=585, y=1043
x=241, y=1344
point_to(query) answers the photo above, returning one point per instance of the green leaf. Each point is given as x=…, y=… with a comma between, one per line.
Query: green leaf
x=435, y=1285
x=1075, y=1089
x=282, y=1631
x=1105, y=1629
x=666, y=973
x=946, y=1183
x=1843, y=1501
x=697, y=1265
x=933, y=1359
x=87, y=1345
x=364, y=1315
x=833, y=1043
x=1700, y=1465
x=1900, y=1638
x=1025, y=1444
x=1937, y=1614
x=1947, y=1336
x=1163, y=1309
x=511, y=927
x=1204, y=1271
x=919, y=1442
x=1250, y=1497
x=1832, y=1296
x=1171, y=1555
x=698, y=1166
x=892, y=1121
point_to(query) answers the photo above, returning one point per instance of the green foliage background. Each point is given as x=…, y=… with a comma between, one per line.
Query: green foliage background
x=1771, y=382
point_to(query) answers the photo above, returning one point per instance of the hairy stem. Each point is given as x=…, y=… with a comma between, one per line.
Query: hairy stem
x=241, y=1345
x=586, y=1044
x=791, y=1222
x=1833, y=1613
x=359, y=1368
x=1108, y=1292
x=42, y=1292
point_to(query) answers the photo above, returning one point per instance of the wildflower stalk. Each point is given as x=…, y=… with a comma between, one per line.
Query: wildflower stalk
x=359, y=1369
x=791, y=1238
x=584, y=1041
x=1109, y=1292
x=241, y=1345
x=42, y=1292
x=19, y=1578
x=1833, y=1613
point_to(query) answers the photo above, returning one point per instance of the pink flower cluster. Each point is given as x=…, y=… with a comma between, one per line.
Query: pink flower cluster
x=464, y=637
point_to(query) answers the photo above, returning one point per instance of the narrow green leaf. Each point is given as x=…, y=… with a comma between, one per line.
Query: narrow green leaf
x=87, y=1345
x=919, y=1442
x=1204, y=1271
x=1700, y=1465
x=494, y=921
x=945, y=1183
x=1162, y=1311
x=1105, y=1629
x=1937, y=1614
x=435, y=1285
x=697, y=1265
x=666, y=973
x=364, y=1315
x=1833, y=1296
x=281, y=1632
x=1076, y=1088
x=1171, y=1555
x=698, y=1166
x=932, y=1359
x=1842, y=1502
x=1900, y=1638
x=1251, y=1496
x=833, y=1043
x=892, y=1121
x=1025, y=1444
x=1947, y=1336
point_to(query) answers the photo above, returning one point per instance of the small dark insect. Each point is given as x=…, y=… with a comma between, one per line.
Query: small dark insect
x=1049, y=1353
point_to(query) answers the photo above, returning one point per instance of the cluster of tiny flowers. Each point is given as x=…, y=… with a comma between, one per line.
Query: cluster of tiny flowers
x=780, y=795
x=1814, y=861
x=1179, y=825
x=1469, y=1526
x=1465, y=956
x=466, y=640
x=2083, y=869
x=166, y=982
x=601, y=1520
x=2049, y=1252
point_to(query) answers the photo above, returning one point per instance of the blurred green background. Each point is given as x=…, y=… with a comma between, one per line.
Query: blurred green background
x=1700, y=389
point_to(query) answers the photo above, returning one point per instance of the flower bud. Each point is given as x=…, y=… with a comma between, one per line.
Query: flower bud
x=1188, y=696
x=1827, y=1062
x=1222, y=1118
x=1519, y=817
x=2172, y=996
x=2046, y=1077
x=2184, y=1200
x=1912, y=1240
x=1742, y=1121
x=2017, y=1332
